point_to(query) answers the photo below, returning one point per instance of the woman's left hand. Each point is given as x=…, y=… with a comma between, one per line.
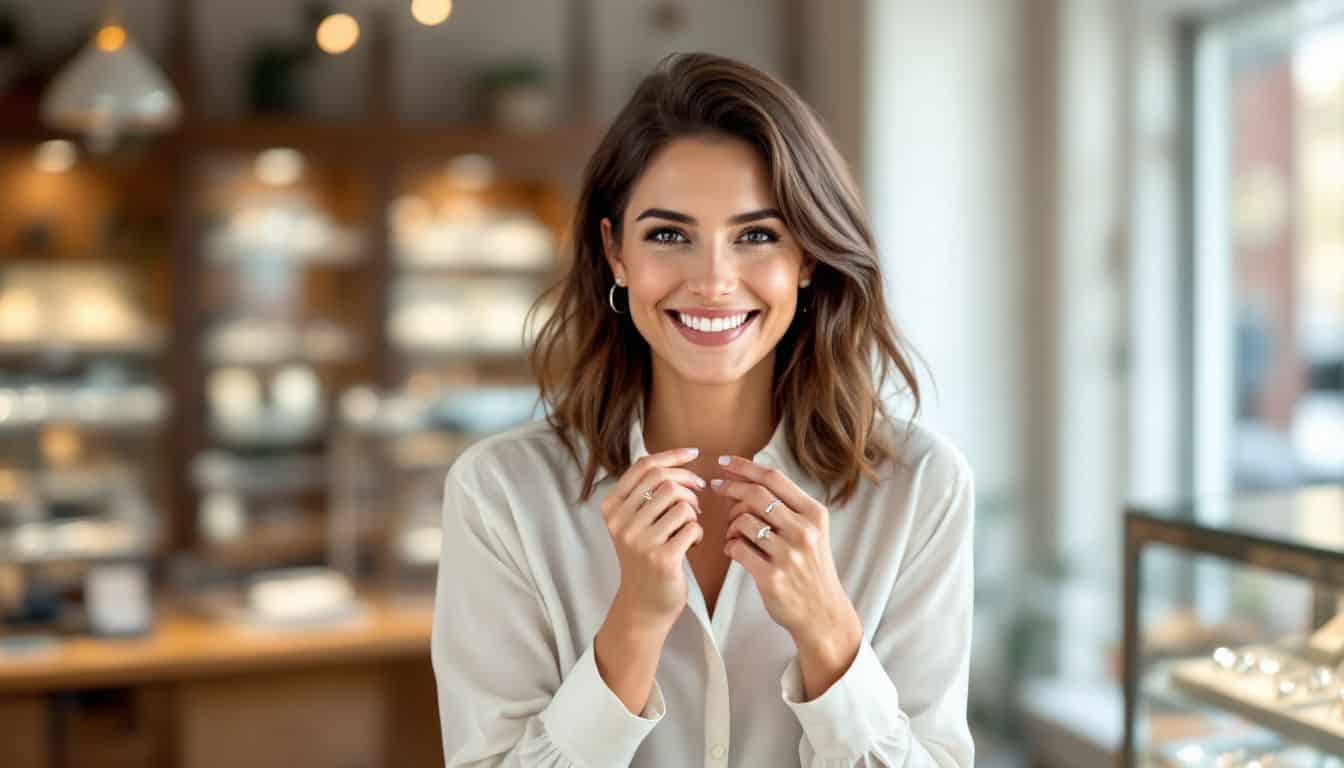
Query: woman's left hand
x=793, y=567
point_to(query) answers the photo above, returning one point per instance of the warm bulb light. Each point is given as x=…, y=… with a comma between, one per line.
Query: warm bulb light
x=55, y=156
x=337, y=33
x=431, y=12
x=279, y=167
x=111, y=37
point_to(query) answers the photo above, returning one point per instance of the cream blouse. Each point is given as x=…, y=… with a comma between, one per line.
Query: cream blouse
x=527, y=575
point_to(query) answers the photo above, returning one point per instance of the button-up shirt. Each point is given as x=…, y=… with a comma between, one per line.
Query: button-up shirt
x=527, y=575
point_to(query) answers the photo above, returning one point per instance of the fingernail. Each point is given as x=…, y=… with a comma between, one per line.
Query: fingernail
x=716, y=483
x=724, y=460
x=700, y=481
x=693, y=451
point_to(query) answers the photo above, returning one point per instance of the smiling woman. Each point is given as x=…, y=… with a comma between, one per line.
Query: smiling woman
x=718, y=547
x=714, y=172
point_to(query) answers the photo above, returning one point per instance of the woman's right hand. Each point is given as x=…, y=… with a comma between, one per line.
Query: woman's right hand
x=652, y=537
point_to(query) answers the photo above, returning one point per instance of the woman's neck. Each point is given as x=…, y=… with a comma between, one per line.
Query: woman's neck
x=735, y=418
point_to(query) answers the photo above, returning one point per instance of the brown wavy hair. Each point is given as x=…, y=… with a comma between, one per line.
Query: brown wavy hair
x=593, y=366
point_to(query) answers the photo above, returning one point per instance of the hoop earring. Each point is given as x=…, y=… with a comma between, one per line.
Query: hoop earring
x=611, y=300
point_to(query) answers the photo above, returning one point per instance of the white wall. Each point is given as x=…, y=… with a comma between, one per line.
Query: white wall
x=996, y=176
x=944, y=163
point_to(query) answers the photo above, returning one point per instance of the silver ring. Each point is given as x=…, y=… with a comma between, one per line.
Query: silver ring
x=769, y=507
x=764, y=533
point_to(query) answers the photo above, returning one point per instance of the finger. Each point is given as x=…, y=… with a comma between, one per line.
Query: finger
x=750, y=558
x=747, y=527
x=786, y=524
x=757, y=498
x=678, y=515
x=667, y=495
x=777, y=483
x=635, y=474
x=689, y=535
x=657, y=480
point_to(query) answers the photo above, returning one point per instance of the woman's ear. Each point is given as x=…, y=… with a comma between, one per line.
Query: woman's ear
x=611, y=251
x=805, y=274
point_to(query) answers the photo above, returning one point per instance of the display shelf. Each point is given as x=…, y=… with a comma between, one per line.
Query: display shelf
x=143, y=345
x=258, y=475
x=76, y=540
x=1309, y=718
x=1196, y=728
x=133, y=409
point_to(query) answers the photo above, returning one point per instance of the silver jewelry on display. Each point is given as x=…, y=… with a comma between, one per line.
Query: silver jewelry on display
x=764, y=533
x=769, y=507
x=611, y=299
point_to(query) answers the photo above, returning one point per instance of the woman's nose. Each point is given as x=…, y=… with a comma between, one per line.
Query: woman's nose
x=713, y=272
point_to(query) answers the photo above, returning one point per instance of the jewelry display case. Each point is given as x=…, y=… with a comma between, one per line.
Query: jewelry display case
x=1256, y=677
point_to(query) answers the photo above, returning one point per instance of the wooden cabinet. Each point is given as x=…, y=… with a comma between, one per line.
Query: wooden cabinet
x=23, y=732
x=195, y=694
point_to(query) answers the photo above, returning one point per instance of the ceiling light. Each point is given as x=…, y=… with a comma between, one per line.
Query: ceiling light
x=431, y=12
x=110, y=87
x=337, y=33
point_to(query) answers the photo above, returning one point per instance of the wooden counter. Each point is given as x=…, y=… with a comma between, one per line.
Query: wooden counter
x=184, y=646
x=197, y=693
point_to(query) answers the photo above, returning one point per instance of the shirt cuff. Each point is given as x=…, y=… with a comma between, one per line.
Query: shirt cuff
x=853, y=714
x=591, y=725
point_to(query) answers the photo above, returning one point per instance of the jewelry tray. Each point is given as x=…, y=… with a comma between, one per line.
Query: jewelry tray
x=1310, y=717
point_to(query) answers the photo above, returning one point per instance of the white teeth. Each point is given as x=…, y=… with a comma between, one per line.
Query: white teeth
x=712, y=325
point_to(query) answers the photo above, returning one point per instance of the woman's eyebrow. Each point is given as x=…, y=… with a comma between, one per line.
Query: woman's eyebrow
x=741, y=218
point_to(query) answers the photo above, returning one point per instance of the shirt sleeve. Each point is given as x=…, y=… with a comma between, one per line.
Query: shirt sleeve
x=503, y=698
x=902, y=702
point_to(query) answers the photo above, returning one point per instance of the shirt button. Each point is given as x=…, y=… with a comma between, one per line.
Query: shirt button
x=718, y=752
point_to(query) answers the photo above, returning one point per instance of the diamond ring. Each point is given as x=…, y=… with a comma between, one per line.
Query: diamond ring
x=764, y=533
x=770, y=506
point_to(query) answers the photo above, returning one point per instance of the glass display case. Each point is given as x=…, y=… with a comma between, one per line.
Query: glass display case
x=286, y=300
x=1234, y=632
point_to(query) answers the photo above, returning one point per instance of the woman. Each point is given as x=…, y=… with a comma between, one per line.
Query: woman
x=718, y=548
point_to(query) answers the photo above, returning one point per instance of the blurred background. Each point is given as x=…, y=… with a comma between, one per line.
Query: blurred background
x=265, y=269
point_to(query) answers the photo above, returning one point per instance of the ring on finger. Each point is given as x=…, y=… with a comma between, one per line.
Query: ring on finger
x=647, y=496
x=764, y=533
x=770, y=506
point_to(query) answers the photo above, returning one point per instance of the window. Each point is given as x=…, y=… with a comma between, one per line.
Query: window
x=1268, y=283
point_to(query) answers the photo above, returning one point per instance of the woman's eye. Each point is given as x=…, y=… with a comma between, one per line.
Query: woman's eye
x=665, y=236
x=759, y=235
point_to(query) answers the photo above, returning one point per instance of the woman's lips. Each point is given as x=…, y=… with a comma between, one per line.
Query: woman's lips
x=713, y=338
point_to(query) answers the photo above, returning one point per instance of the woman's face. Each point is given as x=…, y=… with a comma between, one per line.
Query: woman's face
x=712, y=273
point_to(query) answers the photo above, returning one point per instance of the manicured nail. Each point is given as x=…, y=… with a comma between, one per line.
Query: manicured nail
x=716, y=483
x=693, y=451
x=724, y=460
x=700, y=481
